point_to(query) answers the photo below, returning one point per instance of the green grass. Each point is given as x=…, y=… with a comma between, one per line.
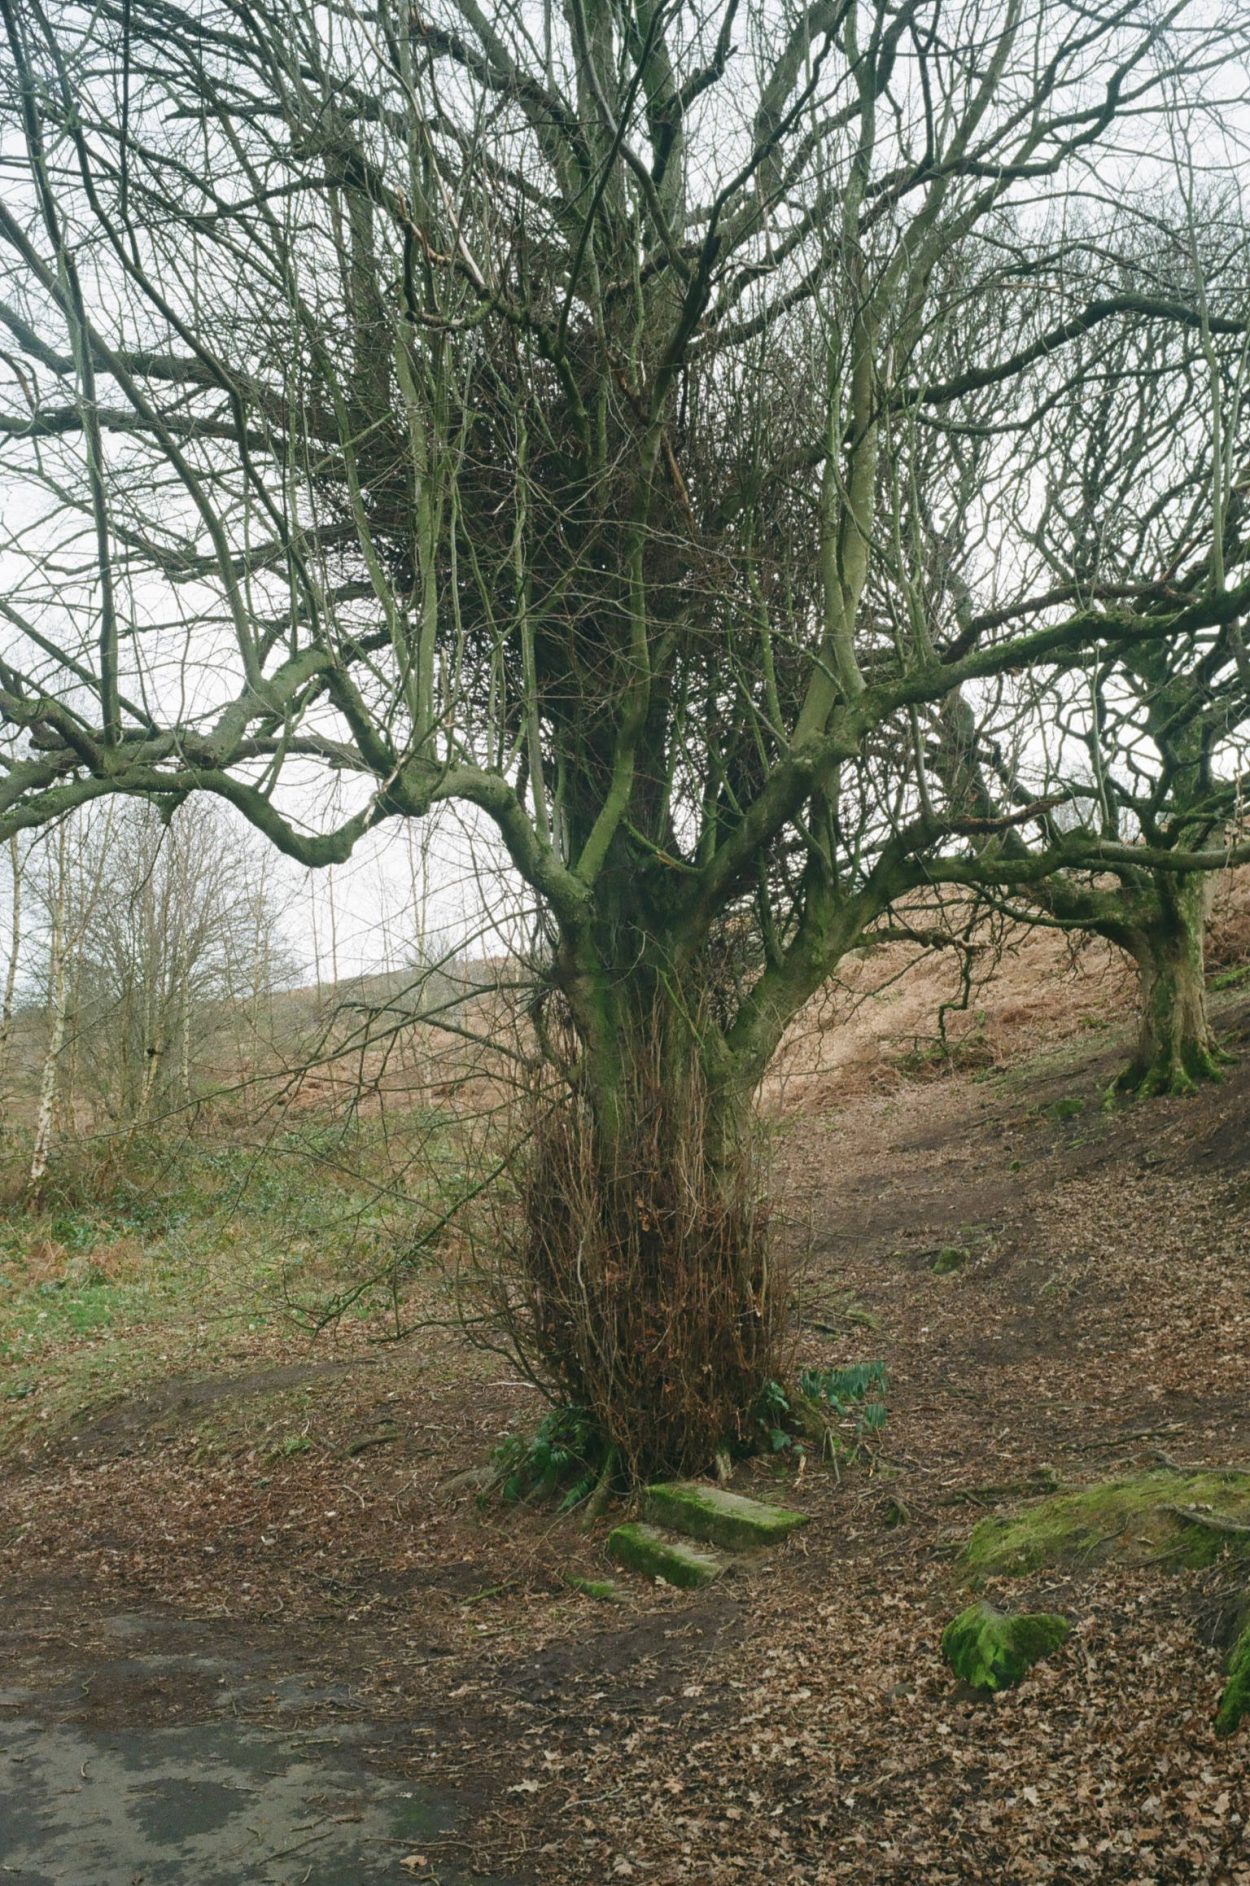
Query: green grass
x=198, y=1246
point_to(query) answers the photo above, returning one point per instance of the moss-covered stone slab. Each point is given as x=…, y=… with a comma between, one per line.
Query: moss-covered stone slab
x=995, y=1650
x=646, y=1549
x=725, y=1519
x=1235, y=1702
x=1178, y=1519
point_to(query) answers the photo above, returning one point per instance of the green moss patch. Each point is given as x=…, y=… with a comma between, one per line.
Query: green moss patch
x=993, y=1650
x=1187, y=1519
x=604, y=1590
x=1235, y=1701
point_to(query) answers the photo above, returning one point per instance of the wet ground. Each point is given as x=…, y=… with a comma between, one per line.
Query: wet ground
x=148, y=1769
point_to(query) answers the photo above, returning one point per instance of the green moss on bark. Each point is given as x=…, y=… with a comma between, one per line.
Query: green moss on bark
x=1176, y=1051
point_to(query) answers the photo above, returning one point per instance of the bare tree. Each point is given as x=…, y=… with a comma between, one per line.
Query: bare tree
x=176, y=934
x=1140, y=485
x=508, y=406
x=69, y=884
x=17, y=863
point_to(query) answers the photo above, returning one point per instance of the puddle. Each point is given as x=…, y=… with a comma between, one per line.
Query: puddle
x=208, y=1804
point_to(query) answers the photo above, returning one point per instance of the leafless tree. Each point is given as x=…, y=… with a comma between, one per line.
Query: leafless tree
x=1139, y=481
x=17, y=871
x=175, y=936
x=68, y=882
x=510, y=406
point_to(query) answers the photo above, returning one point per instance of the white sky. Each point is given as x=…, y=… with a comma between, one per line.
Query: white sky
x=387, y=903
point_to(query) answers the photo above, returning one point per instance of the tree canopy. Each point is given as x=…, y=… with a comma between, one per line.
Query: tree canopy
x=574, y=412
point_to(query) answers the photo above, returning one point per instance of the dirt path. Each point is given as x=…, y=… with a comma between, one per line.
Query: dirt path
x=353, y=1623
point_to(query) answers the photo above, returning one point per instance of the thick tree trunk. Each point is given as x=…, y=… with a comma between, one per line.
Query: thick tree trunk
x=1176, y=1049
x=648, y=1294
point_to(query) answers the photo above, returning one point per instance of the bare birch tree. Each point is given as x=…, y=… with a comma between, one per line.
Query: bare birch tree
x=17, y=863
x=176, y=934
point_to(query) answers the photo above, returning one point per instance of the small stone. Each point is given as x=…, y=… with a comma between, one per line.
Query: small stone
x=603, y=1589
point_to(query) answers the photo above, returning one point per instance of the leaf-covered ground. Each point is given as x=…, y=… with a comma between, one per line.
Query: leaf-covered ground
x=297, y=1507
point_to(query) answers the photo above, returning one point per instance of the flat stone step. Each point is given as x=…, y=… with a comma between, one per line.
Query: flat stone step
x=724, y=1519
x=646, y=1549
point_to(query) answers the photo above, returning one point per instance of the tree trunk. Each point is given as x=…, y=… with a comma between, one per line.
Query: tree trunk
x=647, y=1292
x=1176, y=1048
x=46, y=1117
x=15, y=951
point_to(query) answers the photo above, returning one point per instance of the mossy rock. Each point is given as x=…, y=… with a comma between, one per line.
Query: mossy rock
x=1235, y=1701
x=994, y=1650
x=721, y=1518
x=604, y=1590
x=648, y=1550
x=1175, y=1518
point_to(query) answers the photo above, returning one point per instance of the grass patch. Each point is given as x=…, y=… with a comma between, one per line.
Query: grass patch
x=933, y=1059
x=176, y=1262
x=1066, y=1108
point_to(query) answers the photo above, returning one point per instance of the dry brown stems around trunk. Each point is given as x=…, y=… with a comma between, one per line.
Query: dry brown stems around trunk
x=629, y=1271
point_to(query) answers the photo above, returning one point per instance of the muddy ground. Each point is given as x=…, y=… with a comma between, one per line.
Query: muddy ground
x=410, y=1688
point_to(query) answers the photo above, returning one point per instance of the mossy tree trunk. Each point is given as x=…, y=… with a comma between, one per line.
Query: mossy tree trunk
x=650, y=1292
x=643, y=1257
x=1176, y=1049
